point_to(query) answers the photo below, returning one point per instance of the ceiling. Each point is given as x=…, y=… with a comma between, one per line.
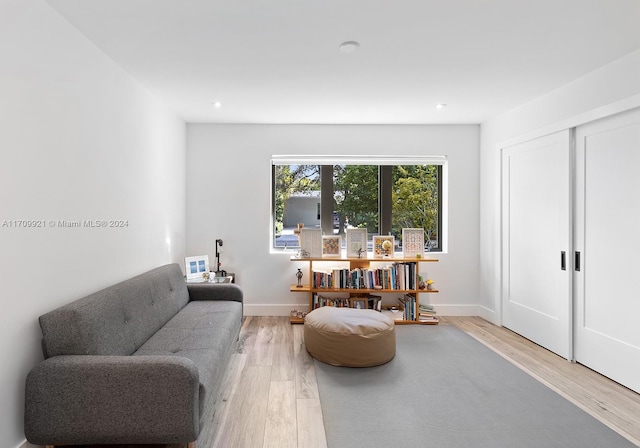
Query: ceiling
x=278, y=61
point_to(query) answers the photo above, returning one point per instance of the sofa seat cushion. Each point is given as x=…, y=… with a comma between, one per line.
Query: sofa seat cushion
x=206, y=333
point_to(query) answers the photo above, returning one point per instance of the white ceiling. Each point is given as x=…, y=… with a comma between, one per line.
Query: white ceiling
x=277, y=61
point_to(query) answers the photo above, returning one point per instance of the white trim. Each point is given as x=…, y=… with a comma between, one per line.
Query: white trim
x=456, y=310
x=586, y=117
x=489, y=315
x=303, y=159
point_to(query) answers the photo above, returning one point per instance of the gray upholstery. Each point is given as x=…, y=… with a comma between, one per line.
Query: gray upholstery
x=118, y=319
x=135, y=363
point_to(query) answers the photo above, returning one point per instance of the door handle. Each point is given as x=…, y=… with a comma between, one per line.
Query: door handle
x=563, y=260
x=577, y=261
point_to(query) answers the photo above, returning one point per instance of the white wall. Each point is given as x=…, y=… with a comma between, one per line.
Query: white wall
x=79, y=139
x=228, y=197
x=608, y=90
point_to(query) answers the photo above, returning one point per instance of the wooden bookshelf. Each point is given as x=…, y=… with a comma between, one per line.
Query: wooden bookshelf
x=365, y=264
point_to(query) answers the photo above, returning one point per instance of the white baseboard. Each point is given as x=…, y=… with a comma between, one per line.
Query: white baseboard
x=273, y=309
x=456, y=310
x=26, y=444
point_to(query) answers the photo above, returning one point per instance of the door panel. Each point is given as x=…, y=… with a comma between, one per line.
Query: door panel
x=608, y=236
x=536, y=296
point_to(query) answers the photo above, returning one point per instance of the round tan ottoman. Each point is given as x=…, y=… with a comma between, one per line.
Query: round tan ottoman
x=350, y=337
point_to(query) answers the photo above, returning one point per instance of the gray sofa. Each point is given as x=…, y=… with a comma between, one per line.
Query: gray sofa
x=135, y=363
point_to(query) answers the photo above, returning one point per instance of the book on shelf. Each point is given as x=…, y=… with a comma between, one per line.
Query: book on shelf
x=426, y=309
x=408, y=303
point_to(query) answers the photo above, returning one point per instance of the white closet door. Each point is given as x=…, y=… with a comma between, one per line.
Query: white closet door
x=607, y=317
x=536, y=211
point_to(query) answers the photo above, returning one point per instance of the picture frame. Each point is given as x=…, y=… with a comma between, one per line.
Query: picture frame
x=359, y=303
x=331, y=246
x=311, y=242
x=374, y=302
x=378, y=246
x=412, y=242
x=196, y=266
x=356, y=241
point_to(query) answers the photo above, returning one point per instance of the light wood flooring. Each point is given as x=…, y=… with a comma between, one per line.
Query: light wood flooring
x=270, y=396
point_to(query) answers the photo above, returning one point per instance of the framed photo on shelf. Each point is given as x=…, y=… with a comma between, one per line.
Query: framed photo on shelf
x=331, y=246
x=383, y=246
x=412, y=242
x=196, y=266
x=356, y=243
x=375, y=302
x=311, y=242
x=359, y=303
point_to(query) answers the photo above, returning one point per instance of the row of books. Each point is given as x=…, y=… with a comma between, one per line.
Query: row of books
x=368, y=301
x=397, y=276
x=422, y=313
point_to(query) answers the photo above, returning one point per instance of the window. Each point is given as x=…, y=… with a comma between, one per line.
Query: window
x=334, y=193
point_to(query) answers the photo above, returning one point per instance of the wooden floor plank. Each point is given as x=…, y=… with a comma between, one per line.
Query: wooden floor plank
x=281, y=428
x=310, y=424
x=247, y=412
x=283, y=359
x=305, y=376
x=264, y=347
x=248, y=333
x=228, y=389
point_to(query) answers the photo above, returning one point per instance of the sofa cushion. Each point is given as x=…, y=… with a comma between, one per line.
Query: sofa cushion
x=118, y=319
x=205, y=332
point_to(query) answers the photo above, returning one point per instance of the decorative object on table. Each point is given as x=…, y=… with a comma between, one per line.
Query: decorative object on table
x=196, y=266
x=383, y=246
x=311, y=242
x=331, y=246
x=387, y=246
x=430, y=286
x=299, y=314
x=356, y=242
x=299, y=277
x=206, y=276
x=412, y=243
x=297, y=231
x=302, y=254
x=219, y=272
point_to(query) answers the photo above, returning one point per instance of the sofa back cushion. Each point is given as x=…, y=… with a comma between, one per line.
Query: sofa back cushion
x=118, y=319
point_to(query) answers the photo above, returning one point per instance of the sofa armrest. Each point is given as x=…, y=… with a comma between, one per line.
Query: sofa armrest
x=215, y=291
x=112, y=400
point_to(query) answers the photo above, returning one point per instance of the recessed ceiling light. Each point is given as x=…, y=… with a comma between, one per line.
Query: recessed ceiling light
x=349, y=46
x=441, y=106
x=217, y=104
